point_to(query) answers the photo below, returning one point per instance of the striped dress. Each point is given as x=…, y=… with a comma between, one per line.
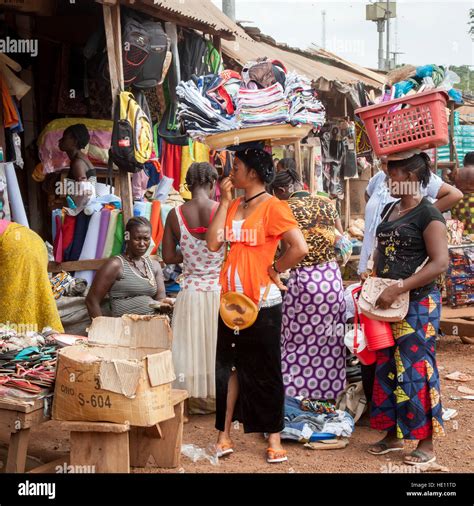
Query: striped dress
x=132, y=294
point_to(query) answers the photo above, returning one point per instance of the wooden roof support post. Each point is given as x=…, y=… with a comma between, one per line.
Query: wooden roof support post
x=312, y=175
x=114, y=53
x=298, y=159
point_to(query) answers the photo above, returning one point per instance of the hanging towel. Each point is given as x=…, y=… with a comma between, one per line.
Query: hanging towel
x=118, y=237
x=109, y=239
x=157, y=227
x=104, y=225
x=90, y=247
x=16, y=202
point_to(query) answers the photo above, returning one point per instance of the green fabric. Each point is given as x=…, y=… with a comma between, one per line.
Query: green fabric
x=118, y=237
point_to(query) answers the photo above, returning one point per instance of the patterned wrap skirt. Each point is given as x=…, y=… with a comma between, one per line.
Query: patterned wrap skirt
x=406, y=394
x=313, y=352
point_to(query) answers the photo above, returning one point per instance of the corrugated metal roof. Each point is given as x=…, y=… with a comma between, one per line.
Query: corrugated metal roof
x=350, y=65
x=196, y=12
x=244, y=49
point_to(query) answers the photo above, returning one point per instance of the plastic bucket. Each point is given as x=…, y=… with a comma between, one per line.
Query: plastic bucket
x=358, y=344
x=378, y=334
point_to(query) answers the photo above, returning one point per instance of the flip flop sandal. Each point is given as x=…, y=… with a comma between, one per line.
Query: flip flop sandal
x=421, y=455
x=224, y=449
x=276, y=456
x=385, y=449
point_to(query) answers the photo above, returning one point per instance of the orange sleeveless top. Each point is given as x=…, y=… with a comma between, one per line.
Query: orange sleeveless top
x=255, y=251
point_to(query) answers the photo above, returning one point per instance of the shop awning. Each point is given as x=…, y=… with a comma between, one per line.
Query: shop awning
x=190, y=13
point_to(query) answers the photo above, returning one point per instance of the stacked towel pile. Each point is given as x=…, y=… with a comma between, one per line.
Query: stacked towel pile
x=303, y=102
x=261, y=107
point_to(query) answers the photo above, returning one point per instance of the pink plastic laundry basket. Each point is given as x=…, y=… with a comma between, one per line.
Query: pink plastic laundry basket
x=422, y=123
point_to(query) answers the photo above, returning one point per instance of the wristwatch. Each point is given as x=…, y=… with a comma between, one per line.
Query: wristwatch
x=275, y=269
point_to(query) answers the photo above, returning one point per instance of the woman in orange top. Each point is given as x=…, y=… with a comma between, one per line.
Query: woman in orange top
x=249, y=383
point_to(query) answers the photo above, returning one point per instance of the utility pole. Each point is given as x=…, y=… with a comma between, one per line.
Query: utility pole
x=228, y=8
x=381, y=29
x=323, y=13
x=387, y=14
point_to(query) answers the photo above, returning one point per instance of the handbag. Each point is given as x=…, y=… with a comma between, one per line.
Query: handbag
x=238, y=311
x=373, y=287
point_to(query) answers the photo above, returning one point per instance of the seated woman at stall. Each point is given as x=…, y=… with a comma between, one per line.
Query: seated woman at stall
x=133, y=281
x=312, y=345
x=26, y=297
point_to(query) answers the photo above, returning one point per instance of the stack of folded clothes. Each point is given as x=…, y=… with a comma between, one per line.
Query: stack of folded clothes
x=261, y=107
x=200, y=115
x=302, y=98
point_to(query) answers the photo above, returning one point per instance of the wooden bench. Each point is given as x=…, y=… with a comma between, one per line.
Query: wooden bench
x=113, y=447
x=17, y=419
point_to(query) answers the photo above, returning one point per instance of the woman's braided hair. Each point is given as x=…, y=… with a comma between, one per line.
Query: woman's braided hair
x=285, y=178
x=137, y=221
x=420, y=165
x=287, y=163
x=201, y=174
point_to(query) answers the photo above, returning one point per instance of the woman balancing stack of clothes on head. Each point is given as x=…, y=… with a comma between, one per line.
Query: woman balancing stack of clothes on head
x=313, y=351
x=249, y=382
x=196, y=311
x=406, y=394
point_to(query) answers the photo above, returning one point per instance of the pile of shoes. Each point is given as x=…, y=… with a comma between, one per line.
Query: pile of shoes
x=27, y=363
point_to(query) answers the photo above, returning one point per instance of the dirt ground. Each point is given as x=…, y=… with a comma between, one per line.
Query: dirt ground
x=455, y=451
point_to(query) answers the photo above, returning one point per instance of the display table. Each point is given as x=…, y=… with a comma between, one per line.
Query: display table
x=18, y=418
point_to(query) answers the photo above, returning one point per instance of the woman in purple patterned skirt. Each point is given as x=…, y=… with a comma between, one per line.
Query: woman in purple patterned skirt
x=313, y=353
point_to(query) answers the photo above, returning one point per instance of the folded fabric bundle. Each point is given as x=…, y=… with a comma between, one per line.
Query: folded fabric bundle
x=303, y=102
x=266, y=106
x=302, y=426
x=201, y=116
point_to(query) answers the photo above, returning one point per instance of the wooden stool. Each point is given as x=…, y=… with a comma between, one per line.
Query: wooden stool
x=107, y=447
x=162, y=441
x=18, y=418
x=102, y=446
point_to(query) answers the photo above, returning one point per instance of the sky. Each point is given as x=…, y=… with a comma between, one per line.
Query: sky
x=425, y=31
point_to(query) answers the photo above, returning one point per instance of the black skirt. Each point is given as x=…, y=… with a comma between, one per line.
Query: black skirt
x=256, y=357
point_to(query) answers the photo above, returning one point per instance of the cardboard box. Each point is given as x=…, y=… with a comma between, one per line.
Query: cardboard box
x=123, y=374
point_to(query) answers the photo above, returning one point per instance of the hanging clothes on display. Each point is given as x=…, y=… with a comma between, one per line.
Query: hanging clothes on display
x=171, y=163
x=337, y=158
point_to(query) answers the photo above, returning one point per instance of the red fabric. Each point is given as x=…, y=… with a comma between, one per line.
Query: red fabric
x=68, y=231
x=58, y=241
x=171, y=163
